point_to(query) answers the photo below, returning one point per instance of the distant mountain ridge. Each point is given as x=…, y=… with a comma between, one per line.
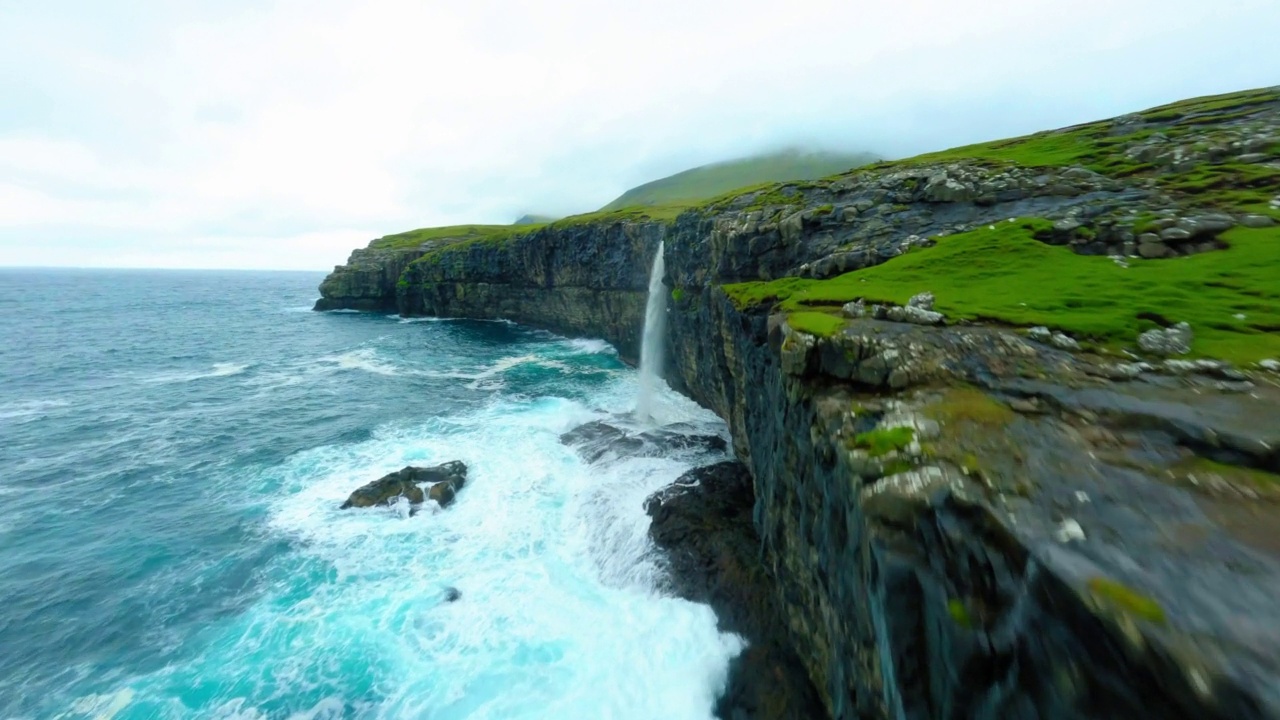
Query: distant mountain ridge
x=709, y=181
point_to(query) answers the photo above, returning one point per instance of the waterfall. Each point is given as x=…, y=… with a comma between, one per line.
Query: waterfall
x=651, y=343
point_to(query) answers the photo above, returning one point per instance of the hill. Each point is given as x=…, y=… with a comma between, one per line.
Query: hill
x=709, y=181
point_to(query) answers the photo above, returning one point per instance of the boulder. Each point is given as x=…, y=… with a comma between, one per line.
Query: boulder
x=1153, y=250
x=1063, y=341
x=445, y=482
x=924, y=301
x=942, y=188
x=1257, y=221
x=1174, y=340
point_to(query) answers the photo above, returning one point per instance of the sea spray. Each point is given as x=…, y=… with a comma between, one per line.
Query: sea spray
x=652, y=342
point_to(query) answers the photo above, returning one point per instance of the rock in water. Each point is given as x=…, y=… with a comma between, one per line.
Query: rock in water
x=597, y=439
x=703, y=521
x=447, y=478
x=451, y=594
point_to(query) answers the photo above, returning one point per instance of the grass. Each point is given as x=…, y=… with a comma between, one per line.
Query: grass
x=959, y=613
x=709, y=181
x=1092, y=146
x=881, y=442
x=1126, y=599
x=415, y=238
x=815, y=323
x=1234, y=473
x=1233, y=187
x=970, y=406
x=1006, y=276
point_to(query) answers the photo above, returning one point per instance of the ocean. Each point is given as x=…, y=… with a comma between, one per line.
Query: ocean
x=174, y=448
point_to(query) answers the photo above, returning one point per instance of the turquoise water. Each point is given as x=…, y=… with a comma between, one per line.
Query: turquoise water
x=174, y=449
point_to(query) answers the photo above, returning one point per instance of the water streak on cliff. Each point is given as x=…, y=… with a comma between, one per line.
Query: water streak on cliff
x=652, y=342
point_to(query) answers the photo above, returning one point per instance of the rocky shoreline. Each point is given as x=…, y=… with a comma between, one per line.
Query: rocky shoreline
x=966, y=518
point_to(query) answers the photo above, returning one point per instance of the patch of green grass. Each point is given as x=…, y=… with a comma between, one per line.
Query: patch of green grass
x=881, y=442
x=1209, y=104
x=1127, y=600
x=709, y=181
x=415, y=238
x=971, y=406
x=1007, y=276
x=1091, y=145
x=815, y=323
x=1231, y=187
x=959, y=613
x=677, y=294
x=1234, y=473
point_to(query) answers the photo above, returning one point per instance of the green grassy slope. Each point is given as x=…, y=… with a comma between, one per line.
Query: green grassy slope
x=709, y=181
x=1231, y=297
x=415, y=238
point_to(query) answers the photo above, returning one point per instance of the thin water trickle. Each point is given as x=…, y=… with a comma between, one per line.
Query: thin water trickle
x=651, y=343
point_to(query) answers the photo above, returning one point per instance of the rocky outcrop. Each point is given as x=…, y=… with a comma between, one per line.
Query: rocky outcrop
x=367, y=282
x=443, y=481
x=703, y=521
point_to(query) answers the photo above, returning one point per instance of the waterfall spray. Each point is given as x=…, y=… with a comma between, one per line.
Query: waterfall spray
x=651, y=343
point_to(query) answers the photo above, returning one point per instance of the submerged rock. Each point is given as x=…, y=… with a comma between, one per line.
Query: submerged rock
x=446, y=480
x=452, y=594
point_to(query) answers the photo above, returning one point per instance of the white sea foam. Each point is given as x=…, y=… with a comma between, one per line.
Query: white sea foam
x=558, y=616
x=23, y=410
x=587, y=346
x=217, y=370
x=101, y=707
x=364, y=359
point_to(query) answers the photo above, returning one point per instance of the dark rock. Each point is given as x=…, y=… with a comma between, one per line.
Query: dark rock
x=599, y=440
x=703, y=522
x=447, y=478
x=1152, y=250
x=452, y=594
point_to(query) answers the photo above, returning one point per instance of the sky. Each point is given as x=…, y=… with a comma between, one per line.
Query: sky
x=280, y=134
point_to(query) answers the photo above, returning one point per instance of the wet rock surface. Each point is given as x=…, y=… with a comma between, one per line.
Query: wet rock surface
x=599, y=440
x=443, y=481
x=703, y=522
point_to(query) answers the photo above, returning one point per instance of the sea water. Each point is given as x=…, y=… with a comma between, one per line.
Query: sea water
x=174, y=448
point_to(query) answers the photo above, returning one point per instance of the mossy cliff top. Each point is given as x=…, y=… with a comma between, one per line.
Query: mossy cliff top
x=1193, y=200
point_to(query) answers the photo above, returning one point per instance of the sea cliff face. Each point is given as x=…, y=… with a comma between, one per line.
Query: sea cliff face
x=576, y=279
x=367, y=282
x=960, y=520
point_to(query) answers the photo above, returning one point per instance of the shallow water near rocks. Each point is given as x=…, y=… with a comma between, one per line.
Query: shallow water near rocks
x=175, y=449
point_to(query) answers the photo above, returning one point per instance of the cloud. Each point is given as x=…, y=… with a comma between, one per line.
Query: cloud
x=244, y=128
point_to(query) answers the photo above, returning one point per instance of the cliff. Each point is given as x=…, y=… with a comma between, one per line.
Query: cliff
x=1001, y=499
